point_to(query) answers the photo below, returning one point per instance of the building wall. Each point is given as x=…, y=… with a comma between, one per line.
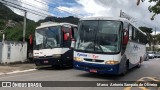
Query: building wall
x=14, y=52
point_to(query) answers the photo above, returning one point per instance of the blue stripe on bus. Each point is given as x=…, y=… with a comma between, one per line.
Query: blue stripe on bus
x=100, y=68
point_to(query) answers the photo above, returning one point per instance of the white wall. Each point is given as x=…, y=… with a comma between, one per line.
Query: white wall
x=18, y=52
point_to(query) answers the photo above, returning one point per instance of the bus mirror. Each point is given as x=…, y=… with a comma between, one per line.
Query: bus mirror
x=73, y=43
x=65, y=37
x=125, y=37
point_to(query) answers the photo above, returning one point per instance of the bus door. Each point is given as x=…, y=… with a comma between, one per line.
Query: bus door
x=74, y=34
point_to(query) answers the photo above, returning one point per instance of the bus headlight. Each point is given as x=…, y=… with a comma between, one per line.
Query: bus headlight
x=56, y=55
x=111, y=62
x=78, y=59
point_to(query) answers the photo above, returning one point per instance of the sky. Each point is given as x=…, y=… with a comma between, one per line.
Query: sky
x=87, y=8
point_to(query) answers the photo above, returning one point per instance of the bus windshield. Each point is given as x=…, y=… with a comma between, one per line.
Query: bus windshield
x=99, y=36
x=48, y=37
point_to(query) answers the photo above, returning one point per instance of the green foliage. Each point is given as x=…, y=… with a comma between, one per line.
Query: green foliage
x=14, y=33
x=30, y=29
x=157, y=38
x=2, y=24
x=146, y=29
x=155, y=8
x=7, y=14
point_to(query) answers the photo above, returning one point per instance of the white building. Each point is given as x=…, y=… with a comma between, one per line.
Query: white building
x=11, y=52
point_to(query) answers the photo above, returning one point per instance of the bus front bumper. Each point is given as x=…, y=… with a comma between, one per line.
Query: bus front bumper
x=97, y=68
x=52, y=61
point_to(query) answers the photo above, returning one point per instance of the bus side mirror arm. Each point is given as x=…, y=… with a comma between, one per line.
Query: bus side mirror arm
x=125, y=37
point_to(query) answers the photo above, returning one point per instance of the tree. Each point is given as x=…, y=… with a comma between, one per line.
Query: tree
x=148, y=32
x=138, y=1
x=154, y=9
x=158, y=38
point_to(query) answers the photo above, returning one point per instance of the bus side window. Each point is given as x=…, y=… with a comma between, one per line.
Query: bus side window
x=133, y=34
x=66, y=33
x=130, y=32
x=137, y=35
x=66, y=36
x=74, y=32
x=141, y=38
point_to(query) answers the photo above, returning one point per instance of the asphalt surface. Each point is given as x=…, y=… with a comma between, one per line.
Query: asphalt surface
x=5, y=68
x=149, y=69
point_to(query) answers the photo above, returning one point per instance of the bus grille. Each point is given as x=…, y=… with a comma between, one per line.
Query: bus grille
x=45, y=57
x=94, y=60
x=93, y=67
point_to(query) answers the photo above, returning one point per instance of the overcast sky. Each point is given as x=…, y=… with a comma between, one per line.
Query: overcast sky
x=85, y=8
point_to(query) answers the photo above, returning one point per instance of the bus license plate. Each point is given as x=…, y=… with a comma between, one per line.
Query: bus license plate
x=93, y=70
x=45, y=61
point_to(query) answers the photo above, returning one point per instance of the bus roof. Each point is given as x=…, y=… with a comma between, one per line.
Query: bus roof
x=49, y=24
x=112, y=18
x=104, y=18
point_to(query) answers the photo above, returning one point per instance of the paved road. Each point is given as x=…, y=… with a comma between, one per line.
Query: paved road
x=149, y=68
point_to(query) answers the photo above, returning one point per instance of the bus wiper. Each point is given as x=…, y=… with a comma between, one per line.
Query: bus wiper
x=100, y=48
x=89, y=46
x=48, y=45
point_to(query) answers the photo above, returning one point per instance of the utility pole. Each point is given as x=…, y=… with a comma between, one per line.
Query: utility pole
x=3, y=36
x=120, y=13
x=24, y=25
x=155, y=30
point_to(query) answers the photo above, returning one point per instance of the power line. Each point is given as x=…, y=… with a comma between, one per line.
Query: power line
x=24, y=8
x=29, y=4
x=39, y=8
x=46, y=2
x=57, y=8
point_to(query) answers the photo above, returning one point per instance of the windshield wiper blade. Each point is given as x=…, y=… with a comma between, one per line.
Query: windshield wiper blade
x=100, y=48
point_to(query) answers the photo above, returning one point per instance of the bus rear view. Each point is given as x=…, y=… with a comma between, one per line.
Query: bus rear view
x=101, y=46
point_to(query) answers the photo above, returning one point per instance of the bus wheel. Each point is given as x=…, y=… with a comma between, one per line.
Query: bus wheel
x=38, y=67
x=139, y=64
x=125, y=69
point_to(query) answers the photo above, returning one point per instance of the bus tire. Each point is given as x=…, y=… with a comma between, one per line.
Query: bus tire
x=139, y=64
x=125, y=69
x=38, y=67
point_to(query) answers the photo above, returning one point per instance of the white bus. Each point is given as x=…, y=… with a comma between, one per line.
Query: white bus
x=53, y=44
x=108, y=45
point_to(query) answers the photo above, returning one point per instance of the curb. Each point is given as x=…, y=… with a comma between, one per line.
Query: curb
x=17, y=71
